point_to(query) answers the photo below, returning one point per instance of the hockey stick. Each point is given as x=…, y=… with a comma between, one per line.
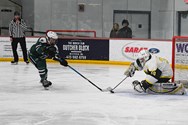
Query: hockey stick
x=111, y=89
x=56, y=59
x=85, y=78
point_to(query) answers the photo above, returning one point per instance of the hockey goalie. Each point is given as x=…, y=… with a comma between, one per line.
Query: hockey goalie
x=158, y=74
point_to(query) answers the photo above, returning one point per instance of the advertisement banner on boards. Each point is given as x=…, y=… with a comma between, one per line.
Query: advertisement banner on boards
x=181, y=52
x=6, y=48
x=127, y=50
x=84, y=49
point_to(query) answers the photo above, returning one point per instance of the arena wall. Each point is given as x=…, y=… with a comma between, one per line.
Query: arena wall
x=95, y=50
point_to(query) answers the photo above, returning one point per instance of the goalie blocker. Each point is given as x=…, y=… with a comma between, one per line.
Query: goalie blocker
x=158, y=73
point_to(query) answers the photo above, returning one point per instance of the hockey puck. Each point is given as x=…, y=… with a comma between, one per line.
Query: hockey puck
x=46, y=88
x=111, y=91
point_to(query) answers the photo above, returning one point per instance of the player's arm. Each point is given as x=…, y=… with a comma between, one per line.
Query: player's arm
x=154, y=73
x=133, y=67
x=130, y=71
x=53, y=54
x=62, y=61
x=10, y=29
x=40, y=49
x=51, y=51
x=23, y=25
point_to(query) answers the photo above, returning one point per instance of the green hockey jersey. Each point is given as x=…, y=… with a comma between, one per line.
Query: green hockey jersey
x=41, y=49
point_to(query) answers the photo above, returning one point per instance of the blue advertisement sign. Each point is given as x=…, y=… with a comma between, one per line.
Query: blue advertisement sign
x=84, y=49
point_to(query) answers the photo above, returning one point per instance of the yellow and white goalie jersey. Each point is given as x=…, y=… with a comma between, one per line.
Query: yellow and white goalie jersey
x=157, y=68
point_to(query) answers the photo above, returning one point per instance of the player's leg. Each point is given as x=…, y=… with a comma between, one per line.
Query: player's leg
x=14, y=45
x=150, y=85
x=164, y=86
x=161, y=88
x=40, y=64
x=184, y=82
x=33, y=60
x=24, y=49
x=163, y=80
x=141, y=86
x=43, y=72
x=148, y=82
x=167, y=88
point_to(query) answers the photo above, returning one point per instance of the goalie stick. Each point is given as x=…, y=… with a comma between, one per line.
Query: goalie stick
x=112, y=89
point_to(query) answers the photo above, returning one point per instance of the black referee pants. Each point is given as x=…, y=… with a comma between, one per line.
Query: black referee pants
x=14, y=44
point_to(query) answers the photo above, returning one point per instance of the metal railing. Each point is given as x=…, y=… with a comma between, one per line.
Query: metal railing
x=4, y=31
x=30, y=31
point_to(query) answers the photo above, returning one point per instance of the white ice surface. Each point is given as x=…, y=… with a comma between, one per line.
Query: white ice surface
x=74, y=101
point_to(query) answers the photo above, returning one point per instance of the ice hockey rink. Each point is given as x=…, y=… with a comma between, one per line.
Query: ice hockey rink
x=74, y=101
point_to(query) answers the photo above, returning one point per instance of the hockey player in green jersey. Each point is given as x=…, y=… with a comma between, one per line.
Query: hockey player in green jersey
x=42, y=50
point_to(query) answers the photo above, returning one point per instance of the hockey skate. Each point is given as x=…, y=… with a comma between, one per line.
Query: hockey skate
x=46, y=83
x=14, y=62
x=27, y=62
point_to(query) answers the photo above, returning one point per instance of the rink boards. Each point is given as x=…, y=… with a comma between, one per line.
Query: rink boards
x=103, y=51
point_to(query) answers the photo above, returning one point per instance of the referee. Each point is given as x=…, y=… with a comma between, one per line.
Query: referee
x=17, y=29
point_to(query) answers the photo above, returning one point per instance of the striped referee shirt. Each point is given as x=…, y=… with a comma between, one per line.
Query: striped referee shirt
x=17, y=30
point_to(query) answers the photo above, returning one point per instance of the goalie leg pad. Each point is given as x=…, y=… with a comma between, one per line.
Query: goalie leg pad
x=180, y=90
x=184, y=82
x=167, y=88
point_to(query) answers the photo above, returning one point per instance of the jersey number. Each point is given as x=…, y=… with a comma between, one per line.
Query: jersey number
x=163, y=60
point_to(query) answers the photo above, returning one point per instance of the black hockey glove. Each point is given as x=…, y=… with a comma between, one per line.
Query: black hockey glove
x=63, y=62
x=51, y=51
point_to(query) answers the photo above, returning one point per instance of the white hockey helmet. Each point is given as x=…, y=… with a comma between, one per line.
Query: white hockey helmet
x=144, y=54
x=52, y=37
x=143, y=57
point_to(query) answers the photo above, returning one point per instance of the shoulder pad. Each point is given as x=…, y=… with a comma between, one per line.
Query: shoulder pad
x=42, y=40
x=152, y=64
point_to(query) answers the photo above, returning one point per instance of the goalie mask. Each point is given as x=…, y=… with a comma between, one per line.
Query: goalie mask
x=52, y=37
x=143, y=57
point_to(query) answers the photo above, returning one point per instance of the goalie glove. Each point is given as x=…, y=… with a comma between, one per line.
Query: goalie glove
x=130, y=71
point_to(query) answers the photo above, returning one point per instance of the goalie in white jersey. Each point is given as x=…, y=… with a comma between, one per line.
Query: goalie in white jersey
x=157, y=70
